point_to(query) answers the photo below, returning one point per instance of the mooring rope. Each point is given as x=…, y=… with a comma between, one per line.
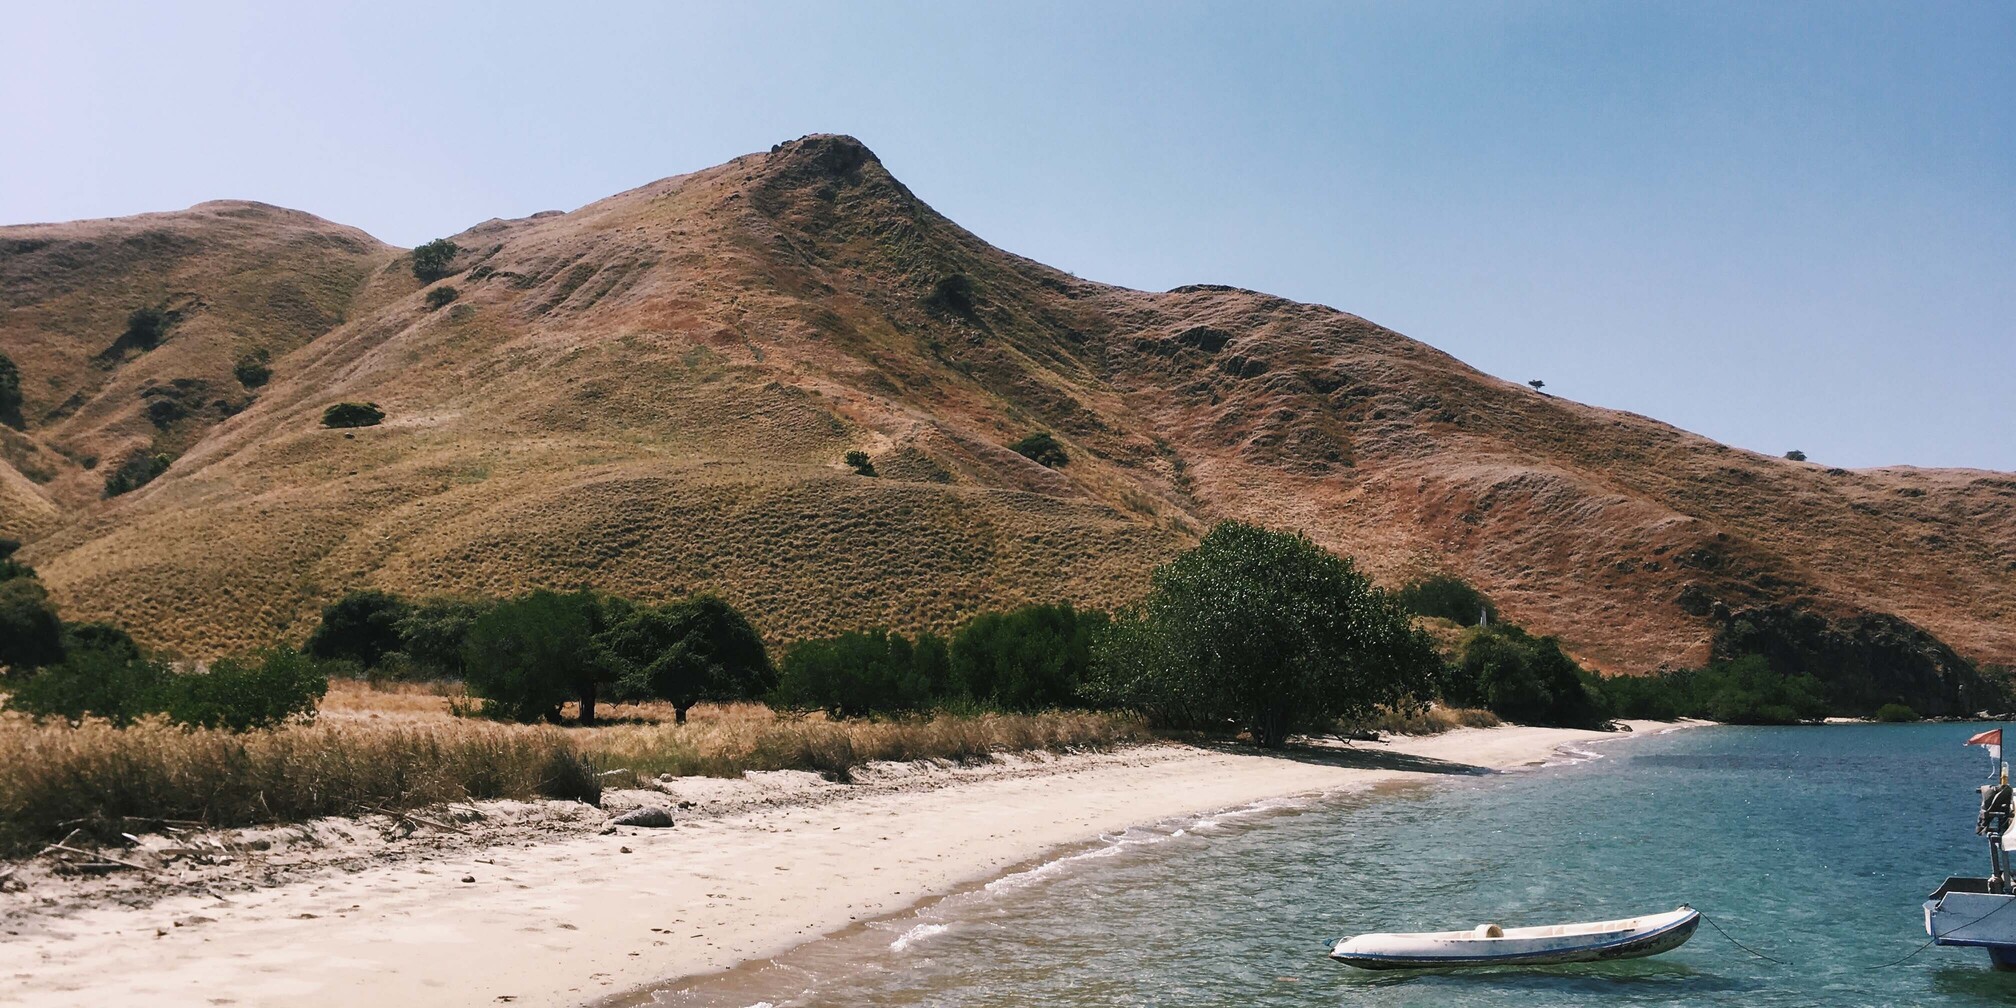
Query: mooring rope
x=1740, y=945
x=1929, y=942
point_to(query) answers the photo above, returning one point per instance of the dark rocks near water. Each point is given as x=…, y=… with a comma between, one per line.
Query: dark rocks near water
x=1865, y=659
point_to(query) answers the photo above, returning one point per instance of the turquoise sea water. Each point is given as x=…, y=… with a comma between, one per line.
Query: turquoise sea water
x=1815, y=845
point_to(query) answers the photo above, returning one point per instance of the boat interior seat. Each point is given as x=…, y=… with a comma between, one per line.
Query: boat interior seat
x=1490, y=931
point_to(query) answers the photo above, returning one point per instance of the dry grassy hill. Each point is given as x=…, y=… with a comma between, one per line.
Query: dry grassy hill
x=653, y=394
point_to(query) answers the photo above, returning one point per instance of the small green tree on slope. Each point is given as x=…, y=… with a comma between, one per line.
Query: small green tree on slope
x=1265, y=629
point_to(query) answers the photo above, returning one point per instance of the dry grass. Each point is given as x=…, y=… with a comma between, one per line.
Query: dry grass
x=1431, y=720
x=399, y=748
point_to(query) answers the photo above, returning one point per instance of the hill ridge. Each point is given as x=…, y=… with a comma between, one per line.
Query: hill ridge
x=653, y=393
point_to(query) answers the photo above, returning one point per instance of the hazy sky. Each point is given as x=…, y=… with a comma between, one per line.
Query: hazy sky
x=1783, y=226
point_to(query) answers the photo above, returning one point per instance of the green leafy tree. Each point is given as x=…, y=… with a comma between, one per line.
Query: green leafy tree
x=434, y=634
x=362, y=626
x=859, y=461
x=31, y=633
x=698, y=650
x=528, y=656
x=115, y=683
x=1042, y=449
x=1748, y=691
x=441, y=297
x=1031, y=658
x=10, y=393
x=434, y=260
x=1267, y=630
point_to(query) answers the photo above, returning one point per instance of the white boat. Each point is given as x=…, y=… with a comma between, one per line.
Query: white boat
x=1491, y=945
x=1978, y=912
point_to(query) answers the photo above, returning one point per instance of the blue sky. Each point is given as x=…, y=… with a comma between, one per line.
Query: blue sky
x=1782, y=226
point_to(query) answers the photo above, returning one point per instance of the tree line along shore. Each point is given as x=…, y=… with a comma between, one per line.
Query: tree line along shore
x=1253, y=635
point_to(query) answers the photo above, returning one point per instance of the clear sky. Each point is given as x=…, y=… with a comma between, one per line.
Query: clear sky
x=1781, y=225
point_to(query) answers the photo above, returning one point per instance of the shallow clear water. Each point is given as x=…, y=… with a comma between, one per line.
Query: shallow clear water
x=1815, y=845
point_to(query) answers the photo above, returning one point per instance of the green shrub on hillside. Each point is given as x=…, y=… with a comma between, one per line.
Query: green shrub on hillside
x=253, y=369
x=952, y=295
x=146, y=328
x=1896, y=713
x=1448, y=597
x=1028, y=659
x=137, y=471
x=353, y=414
x=1042, y=449
x=1266, y=630
x=10, y=393
x=859, y=461
x=441, y=297
x=434, y=260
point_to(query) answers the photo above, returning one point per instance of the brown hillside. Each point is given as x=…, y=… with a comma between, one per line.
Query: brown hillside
x=652, y=394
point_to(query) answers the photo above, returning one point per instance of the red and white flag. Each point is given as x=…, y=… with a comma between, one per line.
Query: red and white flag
x=1992, y=738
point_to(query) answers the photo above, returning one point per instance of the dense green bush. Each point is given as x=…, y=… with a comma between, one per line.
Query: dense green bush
x=442, y=296
x=1266, y=630
x=146, y=328
x=1041, y=449
x=1896, y=713
x=864, y=672
x=434, y=260
x=362, y=626
x=353, y=414
x=859, y=461
x=700, y=649
x=1522, y=678
x=105, y=676
x=11, y=568
x=1029, y=659
x=952, y=295
x=31, y=633
x=10, y=392
x=117, y=685
x=1743, y=691
x=273, y=687
x=137, y=471
x=432, y=635
x=1448, y=597
x=253, y=369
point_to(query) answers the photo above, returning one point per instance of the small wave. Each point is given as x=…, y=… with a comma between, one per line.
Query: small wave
x=915, y=935
x=1576, y=756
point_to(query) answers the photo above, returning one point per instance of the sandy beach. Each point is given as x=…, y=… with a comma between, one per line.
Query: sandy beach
x=577, y=914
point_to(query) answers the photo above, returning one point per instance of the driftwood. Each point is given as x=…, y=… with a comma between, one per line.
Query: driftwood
x=106, y=859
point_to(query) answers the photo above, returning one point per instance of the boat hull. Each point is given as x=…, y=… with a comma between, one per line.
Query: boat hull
x=1389, y=952
x=1962, y=912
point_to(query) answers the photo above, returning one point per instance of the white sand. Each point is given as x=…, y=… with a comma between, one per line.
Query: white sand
x=574, y=919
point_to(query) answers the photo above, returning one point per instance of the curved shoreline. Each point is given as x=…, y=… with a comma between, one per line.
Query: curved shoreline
x=600, y=919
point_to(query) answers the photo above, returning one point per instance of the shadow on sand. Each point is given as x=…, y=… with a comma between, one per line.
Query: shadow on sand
x=1352, y=758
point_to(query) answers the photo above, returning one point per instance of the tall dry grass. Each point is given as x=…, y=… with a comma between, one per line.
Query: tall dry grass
x=399, y=749
x=1433, y=719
